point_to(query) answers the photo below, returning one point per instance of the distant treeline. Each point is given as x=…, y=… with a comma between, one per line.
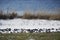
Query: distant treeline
x=29, y=16
x=41, y=16
x=8, y=16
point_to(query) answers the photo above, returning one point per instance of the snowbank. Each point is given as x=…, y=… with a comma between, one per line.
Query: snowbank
x=29, y=24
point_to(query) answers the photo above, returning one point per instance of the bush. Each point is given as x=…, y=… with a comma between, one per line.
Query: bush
x=13, y=15
x=27, y=16
x=54, y=17
x=9, y=16
x=43, y=16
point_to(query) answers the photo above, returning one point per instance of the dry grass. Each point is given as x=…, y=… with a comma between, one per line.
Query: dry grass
x=28, y=15
x=27, y=36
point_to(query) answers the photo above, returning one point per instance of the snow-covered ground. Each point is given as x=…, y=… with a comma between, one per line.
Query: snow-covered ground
x=29, y=24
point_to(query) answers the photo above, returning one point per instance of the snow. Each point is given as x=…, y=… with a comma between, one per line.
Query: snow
x=29, y=24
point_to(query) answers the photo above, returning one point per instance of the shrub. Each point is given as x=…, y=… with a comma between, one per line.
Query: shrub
x=54, y=17
x=13, y=15
x=41, y=16
x=27, y=15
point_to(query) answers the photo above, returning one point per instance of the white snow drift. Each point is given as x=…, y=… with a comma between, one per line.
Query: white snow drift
x=29, y=24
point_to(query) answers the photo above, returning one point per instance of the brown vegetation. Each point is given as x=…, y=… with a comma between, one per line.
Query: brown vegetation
x=7, y=16
x=40, y=16
x=29, y=15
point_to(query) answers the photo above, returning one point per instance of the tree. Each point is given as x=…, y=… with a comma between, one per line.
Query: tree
x=1, y=14
x=13, y=15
